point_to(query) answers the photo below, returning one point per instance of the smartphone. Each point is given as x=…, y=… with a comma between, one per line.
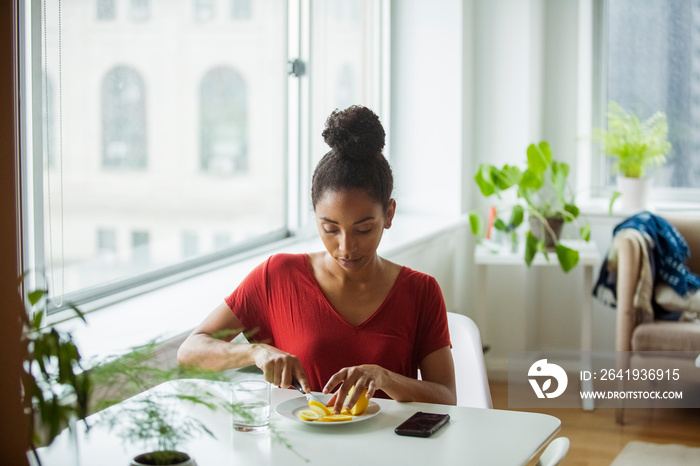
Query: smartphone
x=422, y=424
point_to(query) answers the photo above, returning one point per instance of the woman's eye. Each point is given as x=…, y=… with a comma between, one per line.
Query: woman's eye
x=364, y=232
x=329, y=231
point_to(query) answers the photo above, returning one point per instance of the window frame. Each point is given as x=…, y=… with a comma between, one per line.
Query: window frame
x=298, y=215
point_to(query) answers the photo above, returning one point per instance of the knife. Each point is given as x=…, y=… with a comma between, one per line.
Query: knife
x=309, y=396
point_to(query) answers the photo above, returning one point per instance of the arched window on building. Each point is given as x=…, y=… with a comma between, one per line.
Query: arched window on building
x=124, y=132
x=223, y=122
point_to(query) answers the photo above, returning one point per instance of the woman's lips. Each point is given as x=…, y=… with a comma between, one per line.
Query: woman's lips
x=349, y=263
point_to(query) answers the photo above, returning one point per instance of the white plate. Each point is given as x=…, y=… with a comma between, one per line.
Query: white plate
x=290, y=409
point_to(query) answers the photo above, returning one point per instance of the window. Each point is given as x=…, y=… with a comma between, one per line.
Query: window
x=241, y=9
x=106, y=10
x=140, y=253
x=223, y=124
x=176, y=146
x=124, y=126
x=203, y=10
x=140, y=10
x=106, y=241
x=653, y=64
x=190, y=245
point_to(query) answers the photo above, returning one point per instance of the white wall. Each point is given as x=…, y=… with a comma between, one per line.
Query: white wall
x=426, y=105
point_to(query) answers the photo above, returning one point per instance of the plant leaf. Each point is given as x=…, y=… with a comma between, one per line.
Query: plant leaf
x=500, y=225
x=508, y=176
x=516, y=216
x=35, y=296
x=530, y=247
x=531, y=180
x=571, y=209
x=568, y=258
x=485, y=180
x=475, y=222
x=585, y=232
x=537, y=160
x=613, y=198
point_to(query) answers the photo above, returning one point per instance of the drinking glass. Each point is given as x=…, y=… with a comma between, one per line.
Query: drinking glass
x=253, y=399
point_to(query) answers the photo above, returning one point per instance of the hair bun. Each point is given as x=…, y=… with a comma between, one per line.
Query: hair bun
x=355, y=132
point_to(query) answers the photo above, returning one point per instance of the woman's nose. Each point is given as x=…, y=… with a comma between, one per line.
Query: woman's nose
x=347, y=244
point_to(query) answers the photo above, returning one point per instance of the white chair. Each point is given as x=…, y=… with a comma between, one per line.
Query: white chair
x=470, y=369
x=554, y=452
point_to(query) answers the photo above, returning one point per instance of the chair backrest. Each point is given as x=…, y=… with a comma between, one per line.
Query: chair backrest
x=554, y=453
x=470, y=369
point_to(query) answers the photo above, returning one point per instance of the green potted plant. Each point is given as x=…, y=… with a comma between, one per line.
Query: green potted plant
x=544, y=193
x=129, y=404
x=55, y=387
x=636, y=147
x=132, y=403
x=60, y=388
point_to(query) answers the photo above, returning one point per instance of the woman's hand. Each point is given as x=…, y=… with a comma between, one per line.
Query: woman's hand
x=279, y=367
x=369, y=376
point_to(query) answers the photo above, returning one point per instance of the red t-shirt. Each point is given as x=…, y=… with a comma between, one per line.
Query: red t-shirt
x=281, y=300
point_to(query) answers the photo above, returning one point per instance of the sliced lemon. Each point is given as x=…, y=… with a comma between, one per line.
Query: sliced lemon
x=309, y=415
x=321, y=409
x=337, y=418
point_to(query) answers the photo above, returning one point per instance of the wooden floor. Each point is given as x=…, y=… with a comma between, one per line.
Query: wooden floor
x=595, y=437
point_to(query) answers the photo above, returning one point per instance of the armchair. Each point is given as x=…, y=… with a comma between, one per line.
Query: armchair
x=633, y=335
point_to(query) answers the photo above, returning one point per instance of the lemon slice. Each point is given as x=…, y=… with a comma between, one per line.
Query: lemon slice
x=309, y=415
x=337, y=418
x=321, y=409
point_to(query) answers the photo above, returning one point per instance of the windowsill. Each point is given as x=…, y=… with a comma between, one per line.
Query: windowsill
x=599, y=207
x=174, y=310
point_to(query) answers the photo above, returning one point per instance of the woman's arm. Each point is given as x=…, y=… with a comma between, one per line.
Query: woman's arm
x=437, y=384
x=205, y=350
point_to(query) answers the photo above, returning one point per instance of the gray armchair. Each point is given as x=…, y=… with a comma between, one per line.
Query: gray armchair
x=633, y=335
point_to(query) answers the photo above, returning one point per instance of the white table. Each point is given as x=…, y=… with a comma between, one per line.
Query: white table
x=589, y=259
x=473, y=436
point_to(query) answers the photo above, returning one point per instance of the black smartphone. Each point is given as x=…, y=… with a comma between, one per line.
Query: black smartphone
x=422, y=424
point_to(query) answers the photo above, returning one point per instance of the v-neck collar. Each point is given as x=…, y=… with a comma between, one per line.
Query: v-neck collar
x=310, y=272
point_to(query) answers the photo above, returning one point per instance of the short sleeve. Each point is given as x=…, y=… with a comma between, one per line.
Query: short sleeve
x=433, y=332
x=249, y=304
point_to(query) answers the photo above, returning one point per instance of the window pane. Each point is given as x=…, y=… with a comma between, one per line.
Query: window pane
x=345, y=44
x=123, y=119
x=106, y=10
x=223, y=123
x=653, y=65
x=173, y=136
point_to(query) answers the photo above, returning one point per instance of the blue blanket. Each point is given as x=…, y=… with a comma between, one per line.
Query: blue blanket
x=667, y=258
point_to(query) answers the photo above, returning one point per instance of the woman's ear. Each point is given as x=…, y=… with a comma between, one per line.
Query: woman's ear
x=389, y=214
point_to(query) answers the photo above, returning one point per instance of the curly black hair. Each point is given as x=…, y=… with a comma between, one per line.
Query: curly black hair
x=355, y=161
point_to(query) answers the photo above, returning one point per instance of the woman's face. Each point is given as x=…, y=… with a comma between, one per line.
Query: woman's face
x=351, y=225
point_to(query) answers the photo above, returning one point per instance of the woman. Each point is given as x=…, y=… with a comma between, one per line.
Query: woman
x=343, y=317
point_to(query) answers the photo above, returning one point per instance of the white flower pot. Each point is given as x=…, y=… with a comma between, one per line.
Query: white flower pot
x=634, y=193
